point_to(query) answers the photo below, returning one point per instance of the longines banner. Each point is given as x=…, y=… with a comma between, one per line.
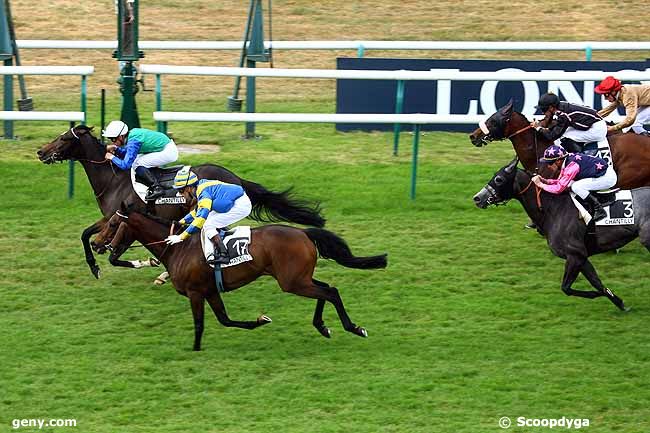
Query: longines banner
x=462, y=97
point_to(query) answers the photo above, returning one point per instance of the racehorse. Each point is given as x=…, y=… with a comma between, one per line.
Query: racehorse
x=567, y=236
x=112, y=186
x=630, y=152
x=288, y=254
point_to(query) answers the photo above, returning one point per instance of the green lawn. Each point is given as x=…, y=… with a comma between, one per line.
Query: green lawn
x=466, y=325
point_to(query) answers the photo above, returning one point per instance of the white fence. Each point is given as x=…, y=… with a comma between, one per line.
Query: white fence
x=587, y=46
x=71, y=116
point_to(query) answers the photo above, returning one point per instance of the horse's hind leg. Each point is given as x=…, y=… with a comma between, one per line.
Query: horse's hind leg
x=591, y=275
x=318, y=314
x=572, y=268
x=322, y=291
x=197, y=302
x=219, y=310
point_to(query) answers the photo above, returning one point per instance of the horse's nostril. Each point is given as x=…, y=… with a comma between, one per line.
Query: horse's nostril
x=477, y=199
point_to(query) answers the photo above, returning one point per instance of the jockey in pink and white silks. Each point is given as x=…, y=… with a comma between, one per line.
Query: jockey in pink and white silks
x=582, y=173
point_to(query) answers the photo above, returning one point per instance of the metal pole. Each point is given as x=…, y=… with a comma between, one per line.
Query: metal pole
x=588, y=53
x=414, y=169
x=161, y=126
x=399, y=104
x=102, y=113
x=250, y=100
x=71, y=174
x=8, y=101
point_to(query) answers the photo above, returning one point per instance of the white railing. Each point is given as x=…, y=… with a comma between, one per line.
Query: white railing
x=350, y=45
x=413, y=119
x=71, y=116
x=432, y=75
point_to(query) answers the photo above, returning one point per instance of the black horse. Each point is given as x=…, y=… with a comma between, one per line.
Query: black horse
x=112, y=186
x=568, y=236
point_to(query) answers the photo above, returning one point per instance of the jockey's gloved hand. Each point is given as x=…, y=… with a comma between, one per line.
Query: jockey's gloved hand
x=174, y=239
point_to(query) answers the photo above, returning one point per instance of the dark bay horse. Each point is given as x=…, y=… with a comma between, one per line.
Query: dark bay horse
x=112, y=186
x=288, y=254
x=630, y=152
x=557, y=220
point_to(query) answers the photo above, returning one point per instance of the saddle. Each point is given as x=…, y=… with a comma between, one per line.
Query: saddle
x=165, y=176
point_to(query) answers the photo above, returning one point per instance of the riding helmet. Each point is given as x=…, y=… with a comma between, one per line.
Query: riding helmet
x=547, y=100
x=115, y=129
x=608, y=85
x=185, y=177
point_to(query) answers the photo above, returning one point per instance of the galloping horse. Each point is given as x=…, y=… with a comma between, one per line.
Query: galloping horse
x=111, y=187
x=288, y=254
x=630, y=152
x=557, y=219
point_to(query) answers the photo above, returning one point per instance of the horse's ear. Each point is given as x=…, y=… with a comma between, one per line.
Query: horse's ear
x=512, y=165
x=506, y=110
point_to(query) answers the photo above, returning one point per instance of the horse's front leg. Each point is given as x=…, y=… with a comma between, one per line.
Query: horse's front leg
x=572, y=268
x=219, y=309
x=85, y=240
x=197, y=302
x=591, y=275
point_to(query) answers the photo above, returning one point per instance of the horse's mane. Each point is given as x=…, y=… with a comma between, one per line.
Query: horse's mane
x=131, y=208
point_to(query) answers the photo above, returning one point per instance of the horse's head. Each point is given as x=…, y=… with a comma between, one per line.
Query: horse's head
x=113, y=233
x=76, y=143
x=496, y=127
x=500, y=188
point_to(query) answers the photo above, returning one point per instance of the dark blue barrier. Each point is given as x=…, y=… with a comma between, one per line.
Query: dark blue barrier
x=461, y=97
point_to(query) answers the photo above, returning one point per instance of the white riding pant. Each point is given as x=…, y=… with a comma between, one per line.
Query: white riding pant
x=597, y=132
x=157, y=159
x=642, y=117
x=215, y=220
x=583, y=186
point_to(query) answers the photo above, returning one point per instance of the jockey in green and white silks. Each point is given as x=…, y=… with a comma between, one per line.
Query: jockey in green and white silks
x=140, y=149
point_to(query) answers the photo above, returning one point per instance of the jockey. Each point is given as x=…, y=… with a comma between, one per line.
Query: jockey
x=635, y=99
x=582, y=173
x=218, y=204
x=568, y=124
x=139, y=150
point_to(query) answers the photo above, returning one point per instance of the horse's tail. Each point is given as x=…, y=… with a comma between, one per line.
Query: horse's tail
x=330, y=246
x=268, y=205
x=281, y=206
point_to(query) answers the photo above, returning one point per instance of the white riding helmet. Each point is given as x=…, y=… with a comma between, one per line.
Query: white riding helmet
x=115, y=129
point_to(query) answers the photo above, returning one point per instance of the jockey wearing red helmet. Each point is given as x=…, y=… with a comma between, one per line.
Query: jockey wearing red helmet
x=635, y=99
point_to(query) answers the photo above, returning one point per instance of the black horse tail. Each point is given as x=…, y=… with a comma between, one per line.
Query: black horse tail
x=274, y=206
x=330, y=246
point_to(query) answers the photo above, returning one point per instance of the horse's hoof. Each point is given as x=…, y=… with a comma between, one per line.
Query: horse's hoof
x=96, y=271
x=361, y=332
x=264, y=319
x=325, y=331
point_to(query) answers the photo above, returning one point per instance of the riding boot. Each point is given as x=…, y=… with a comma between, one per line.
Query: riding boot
x=571, y=146
x=220, y=255
x=155, y=189
x=599, y=212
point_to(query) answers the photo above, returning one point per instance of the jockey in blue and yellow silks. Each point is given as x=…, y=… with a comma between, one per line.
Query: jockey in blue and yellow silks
x=219, y=204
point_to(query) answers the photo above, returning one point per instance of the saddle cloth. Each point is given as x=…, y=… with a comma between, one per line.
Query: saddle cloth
x=600, y=150
x=619, y=213
x=236, y=241
x=166, y=178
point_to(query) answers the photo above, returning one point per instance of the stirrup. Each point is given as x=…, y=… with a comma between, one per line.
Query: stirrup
x=154, y=193
x=218, y=259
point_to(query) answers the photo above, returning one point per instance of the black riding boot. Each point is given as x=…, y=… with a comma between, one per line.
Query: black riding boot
x=599, y=212
x=155, y=189
x=220, y=255
x=571, y=146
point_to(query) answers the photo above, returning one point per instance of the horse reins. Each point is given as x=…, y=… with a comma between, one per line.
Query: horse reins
x=104, y=161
